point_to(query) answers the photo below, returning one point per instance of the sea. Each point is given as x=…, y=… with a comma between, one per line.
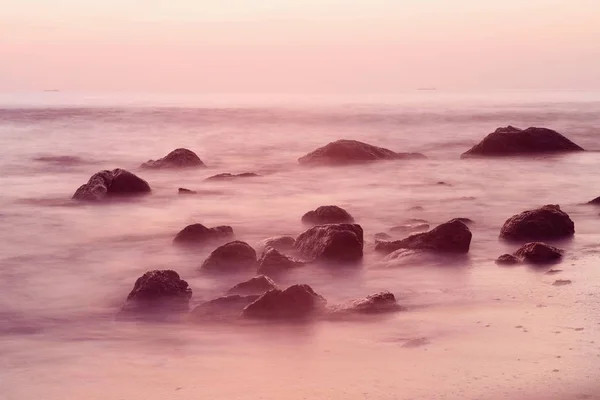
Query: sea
x=470, y=330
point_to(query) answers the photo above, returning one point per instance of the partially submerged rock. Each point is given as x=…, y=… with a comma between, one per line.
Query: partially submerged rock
x=229, y=306
x=158, y=291
x=507, y=259
x=596, y=201
x=200, y=234
x=178, y=158
x=546, y=223
x=272, y=262
x=539, y=253
x=186, y=191
x=227, y=176
x=327, y=215
x=377, y=303
x=233, y=256
x=254, y=286
x=410, y=228
x=281, y=243
x=512, y=141
x=335, y=243
x=562, y=282
x=117, y=182
x=450, y=237
x=382, y=236
x=345, y=151
x=295, y=302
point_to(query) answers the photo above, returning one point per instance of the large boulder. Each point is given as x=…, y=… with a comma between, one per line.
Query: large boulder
x=233, y=256
x=545, y=223
x=272, y=262
x=117, y=182
x=333, y=243
x=450, y=237
x=512, y=141
x=159, y=290
x=257, y=285
x=346, y=151
x=539, y=253
x=327, y=215
x=178, y=158
x=200, y=234
x=297, y=301
x=227, y=176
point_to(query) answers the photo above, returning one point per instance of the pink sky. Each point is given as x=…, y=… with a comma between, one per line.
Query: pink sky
x=298, y=45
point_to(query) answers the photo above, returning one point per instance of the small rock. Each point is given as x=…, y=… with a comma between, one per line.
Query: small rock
x=186, y=191
x=232, y=256
x=199, y=234
x=272, y=262
x=227, y=176
x=257, y=286
x=178, y=158
x=507, y=259
x=562, y=282
x=158, y=290
x=377, y=303
x=117, y=182
x=539, y=253
x=419, y=342
x=297, y=301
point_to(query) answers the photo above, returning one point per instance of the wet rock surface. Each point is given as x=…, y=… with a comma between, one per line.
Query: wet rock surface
x=158, y=290
x=178, y=158
x=295, y=302
x=254, y=286
x=539, y=253
x=340, y=243
x=327, y=215
x=273, y=262
x=233, y=256
x=198, y=234
x=115, y=183
x=545, y=223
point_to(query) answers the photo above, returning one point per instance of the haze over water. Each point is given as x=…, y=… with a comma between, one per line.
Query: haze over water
x=472, y=330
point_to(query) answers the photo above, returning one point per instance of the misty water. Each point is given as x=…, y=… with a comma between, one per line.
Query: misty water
x=471, y=329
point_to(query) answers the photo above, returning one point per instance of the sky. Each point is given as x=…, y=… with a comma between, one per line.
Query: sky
x=297, y=46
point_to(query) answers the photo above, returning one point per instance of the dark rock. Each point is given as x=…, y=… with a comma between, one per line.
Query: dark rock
x=410, y=228
x=159, y=290
x=512, y=141
x=186, y=191
x=227, y=176
x=382, y=236
x=223, y=307
x=374, y=304
x=539, y=253
x=596, y=201
x=281, y=243
x=345, y=151
x=562, y=282
x=297, y=301
x=199, y=234
x=117, y=182
x=545, y=223
x=178, y=158
x=336, y=243
x=507, y=259
x=257, y=285
x=327, y=215
x=450, y=237
x=272, y=262
x=233, y=256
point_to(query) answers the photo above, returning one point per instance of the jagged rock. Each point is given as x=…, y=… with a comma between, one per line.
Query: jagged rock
x=297, y=301
x=233, y=256
x=159, y=290
x=546, y=223
x=327, y=215
x=512, y=141
x=255, y=286
x=199, y=234
x=346, y=151
x=335, y=243
x=178, y=158
x=450, y=237
x=117, y=182
x=272, y=262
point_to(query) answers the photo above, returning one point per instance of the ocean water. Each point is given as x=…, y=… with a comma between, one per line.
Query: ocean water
x=472, y=330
